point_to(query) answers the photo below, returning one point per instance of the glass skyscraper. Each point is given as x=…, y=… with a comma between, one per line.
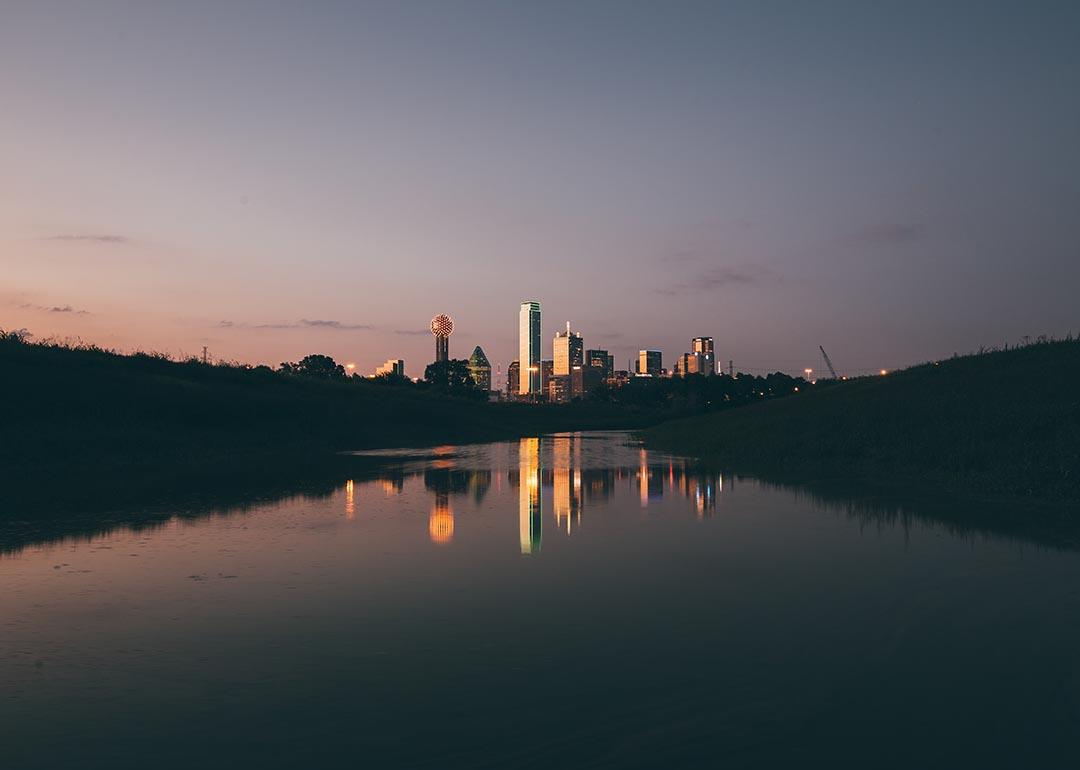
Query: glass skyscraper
x=529, y=348
x=702, y=348
x=568, y=351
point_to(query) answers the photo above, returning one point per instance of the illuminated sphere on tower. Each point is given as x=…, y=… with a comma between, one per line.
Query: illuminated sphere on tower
x=442, y=326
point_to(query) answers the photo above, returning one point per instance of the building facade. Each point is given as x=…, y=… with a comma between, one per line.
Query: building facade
x=650, y=362
x=513, y=378
x=569, y=351
x=394, y=367
x=704, y=355
x=600, y=359
x=529, y=349
x=480, y=369
x=546, y=369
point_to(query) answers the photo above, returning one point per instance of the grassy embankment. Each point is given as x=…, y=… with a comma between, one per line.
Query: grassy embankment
x=67, y=412
x=998, y=424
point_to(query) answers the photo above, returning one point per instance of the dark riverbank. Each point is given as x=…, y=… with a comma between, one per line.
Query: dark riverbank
x=1004, y=424
x=83, y=418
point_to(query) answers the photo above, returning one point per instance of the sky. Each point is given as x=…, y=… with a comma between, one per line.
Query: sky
x=895, y=181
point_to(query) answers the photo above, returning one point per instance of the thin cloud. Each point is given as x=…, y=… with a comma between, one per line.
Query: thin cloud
x=88, y=238
x=413, y=332
x=52, y=308
x=722, y=277
x=303, y=323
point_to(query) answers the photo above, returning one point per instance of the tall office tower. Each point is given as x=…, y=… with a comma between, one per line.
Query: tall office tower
x=702, y=348
x=569, y=351
x=546, y=367
x=513, y=377
x=684, y=365
x=599, y=359
x=650, y=362
x=529, y=348
x=480, y=369
x=442, y=326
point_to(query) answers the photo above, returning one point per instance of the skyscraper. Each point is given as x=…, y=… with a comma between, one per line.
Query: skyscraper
x=513, y=378
x=480, y=369
x=569, y=351
x=529, y=348
x=546, y=368
x=650, y=362
x=702, y=348
x=600, y=359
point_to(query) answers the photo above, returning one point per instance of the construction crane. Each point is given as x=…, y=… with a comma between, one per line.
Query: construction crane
x=828, y=363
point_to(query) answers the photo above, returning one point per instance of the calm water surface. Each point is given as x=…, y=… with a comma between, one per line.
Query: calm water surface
x=565, y=601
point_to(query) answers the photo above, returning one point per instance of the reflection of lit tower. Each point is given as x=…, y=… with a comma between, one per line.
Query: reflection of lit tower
x=350, y=501
x=566, y=478
x=441, y=522
x=529, y=516
x=650, y=482
x=442, y=326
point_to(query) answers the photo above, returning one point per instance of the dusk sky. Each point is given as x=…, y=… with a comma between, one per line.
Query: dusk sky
x=894, y=181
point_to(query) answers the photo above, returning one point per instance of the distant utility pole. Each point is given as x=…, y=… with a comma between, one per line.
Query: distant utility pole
x=205, y=355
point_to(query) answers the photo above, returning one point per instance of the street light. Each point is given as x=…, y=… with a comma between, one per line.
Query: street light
x=351, y=368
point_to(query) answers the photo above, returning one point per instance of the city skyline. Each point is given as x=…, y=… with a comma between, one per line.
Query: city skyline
x=649, y=174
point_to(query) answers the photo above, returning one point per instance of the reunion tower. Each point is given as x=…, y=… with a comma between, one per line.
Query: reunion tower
x=442, y=326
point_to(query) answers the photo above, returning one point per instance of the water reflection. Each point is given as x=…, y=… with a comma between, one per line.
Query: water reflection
x=441, y=521
x=388, y=611
x=562, y=476
x=350, y=501
x=573, y=471
x=530, y=496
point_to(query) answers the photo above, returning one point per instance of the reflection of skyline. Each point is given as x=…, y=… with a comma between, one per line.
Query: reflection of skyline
x=497, y=465
x=557, y=463
x=530, y=522
x=566, y=475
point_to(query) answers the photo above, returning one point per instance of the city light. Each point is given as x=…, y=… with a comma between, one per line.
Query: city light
x=884, y=372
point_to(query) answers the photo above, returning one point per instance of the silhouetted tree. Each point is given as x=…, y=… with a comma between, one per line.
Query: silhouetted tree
x=315, y=365
x=391, y=379
x=452, y=377
x=15, y=336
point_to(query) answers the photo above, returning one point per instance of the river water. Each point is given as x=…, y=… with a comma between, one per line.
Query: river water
x=562, y=601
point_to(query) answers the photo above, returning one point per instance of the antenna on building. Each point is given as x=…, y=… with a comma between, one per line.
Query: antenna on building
x=205, y=355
